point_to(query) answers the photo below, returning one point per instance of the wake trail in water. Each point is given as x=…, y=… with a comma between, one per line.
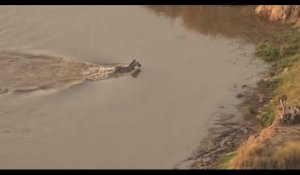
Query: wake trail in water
x=25, y=72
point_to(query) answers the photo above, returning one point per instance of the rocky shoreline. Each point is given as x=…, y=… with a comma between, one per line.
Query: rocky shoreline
x=228, y=135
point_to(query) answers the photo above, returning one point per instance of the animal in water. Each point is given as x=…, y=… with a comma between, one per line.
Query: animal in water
x=96, y=72
x=127, y=69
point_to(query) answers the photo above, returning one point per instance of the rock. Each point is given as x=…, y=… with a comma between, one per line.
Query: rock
x=271, y=74
x=206, y=159
x=244, y=86
x=260, y=98
x=239, y=95
x=279, y=13
x=259, y=117
x=268, y=78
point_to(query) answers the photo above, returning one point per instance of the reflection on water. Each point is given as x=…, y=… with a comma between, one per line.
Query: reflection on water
x=229, y=21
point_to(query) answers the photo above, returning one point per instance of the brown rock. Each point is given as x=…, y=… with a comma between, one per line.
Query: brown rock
x=239, y=95
x=279, y=13
x=244, y=86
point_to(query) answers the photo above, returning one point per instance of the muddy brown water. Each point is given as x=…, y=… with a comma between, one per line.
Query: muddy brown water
x=51, y=117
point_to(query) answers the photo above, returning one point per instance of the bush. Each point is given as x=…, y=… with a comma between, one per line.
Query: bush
x=262, y=156
x=267, y=51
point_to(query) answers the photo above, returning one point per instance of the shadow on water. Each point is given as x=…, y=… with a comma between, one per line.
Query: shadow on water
x=237, y=22
x=136, y=73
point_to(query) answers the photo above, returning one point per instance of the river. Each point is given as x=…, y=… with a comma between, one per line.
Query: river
x=52, y=117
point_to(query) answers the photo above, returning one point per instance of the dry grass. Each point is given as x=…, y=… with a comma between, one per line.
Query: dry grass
x=257, y=155
x=290, y=84
x=251, y=155
x=264, y=153
x=224, y=162
x=286, y=82
x=277, y=147
x=287, y=157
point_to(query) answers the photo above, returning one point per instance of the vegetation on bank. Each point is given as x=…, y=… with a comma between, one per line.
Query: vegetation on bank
x=224, y=162
x=282, y=52
x=265, y=156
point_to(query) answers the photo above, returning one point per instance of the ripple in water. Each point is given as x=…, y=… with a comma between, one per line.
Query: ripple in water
x=24, y=72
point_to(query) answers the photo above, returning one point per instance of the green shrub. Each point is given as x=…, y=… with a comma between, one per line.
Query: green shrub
x=267, y=51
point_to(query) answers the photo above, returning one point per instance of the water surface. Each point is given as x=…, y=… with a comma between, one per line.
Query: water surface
x=152, y=121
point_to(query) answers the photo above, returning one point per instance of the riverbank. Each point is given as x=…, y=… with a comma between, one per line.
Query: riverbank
x=261, y=140
x=276, y=146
